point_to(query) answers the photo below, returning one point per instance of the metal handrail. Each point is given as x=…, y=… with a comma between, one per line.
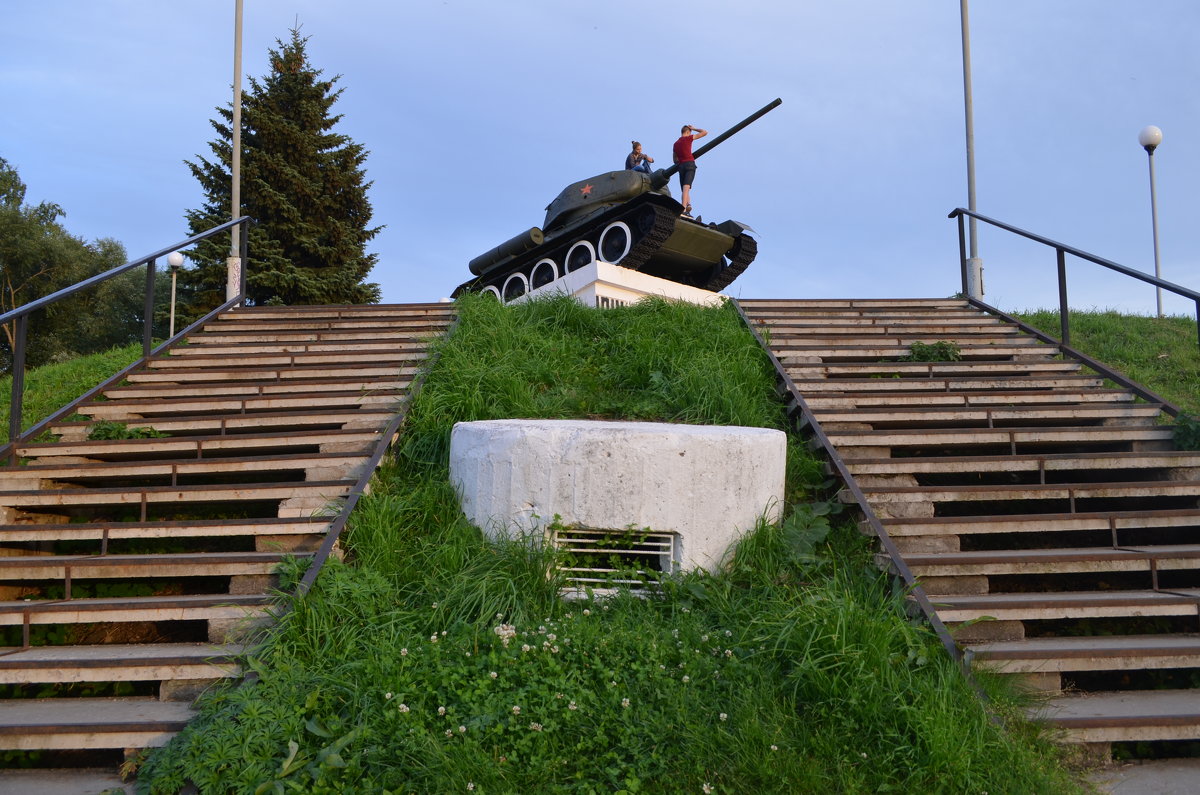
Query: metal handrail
x=1062, y=250
x=21, y=316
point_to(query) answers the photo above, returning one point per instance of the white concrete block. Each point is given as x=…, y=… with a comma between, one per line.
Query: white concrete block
x=709, y=484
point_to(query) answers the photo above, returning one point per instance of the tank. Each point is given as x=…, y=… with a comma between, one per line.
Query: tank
x=627, y=218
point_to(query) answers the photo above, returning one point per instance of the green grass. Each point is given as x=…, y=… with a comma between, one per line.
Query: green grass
x=435, y=661
x=53, y=386
x=1160, y=353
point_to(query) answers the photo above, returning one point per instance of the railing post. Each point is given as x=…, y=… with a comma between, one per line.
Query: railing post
x=147, y=325
x=962, y=255
x=16, y=399
x=1064, y=320
x=1198, y=321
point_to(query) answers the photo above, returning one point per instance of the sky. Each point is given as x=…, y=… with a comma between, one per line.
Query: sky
x=477, y=113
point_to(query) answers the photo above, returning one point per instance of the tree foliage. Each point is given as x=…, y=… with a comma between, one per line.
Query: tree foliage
x=38, y=257
x=304, y=186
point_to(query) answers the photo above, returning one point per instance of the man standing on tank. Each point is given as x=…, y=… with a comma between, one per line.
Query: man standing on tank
x=687, y=162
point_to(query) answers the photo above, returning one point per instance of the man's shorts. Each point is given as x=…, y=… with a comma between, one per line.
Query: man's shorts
x=687, y=172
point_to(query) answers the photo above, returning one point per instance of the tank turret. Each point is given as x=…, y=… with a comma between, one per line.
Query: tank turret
x=627, y=218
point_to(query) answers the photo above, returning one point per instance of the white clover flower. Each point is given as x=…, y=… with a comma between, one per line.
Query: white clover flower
x=493, y=674
x=572, y=705
x=587, y=612
x=433, y=638
x=387, y=696
x=707, y=788
x=435, y=605
x=441, y=710
x=542, y=630
x=404, y=652
x=863, y=754
x=729, y=652
x=537, y=727
x=470, y=786
x=505, y=632
x=624, y=703
x=558, y=695
x=443, y=633
x=774, y=747
x=686, y=679
x=516, y=710
x=449, y=733
x=554, y=650
x=724, y=716
x=728, y=634
x=403, y=707
x=526, y=647
x=704, y=638
x=462, y=729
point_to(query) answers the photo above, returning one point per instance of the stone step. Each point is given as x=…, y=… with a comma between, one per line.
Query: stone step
x=931, y=305
x=64, y=781
x=1089, y=653
x=897, y=371
x=265, y=529
x=1045, y=463
x=283, y=360
x=1066, y=604
x=205, y=446
x=991, y=414
x=79, y=723
x=349, y=348
x=870, y=353
x=1054, y=561
x=228, y=373
x=165, y=405
x=937, y=437
x=172, y=469
x=1113, y=522
x=297, y=421
x=968, y=399
x=882, y=495
x=410, y=336
x=171, y=390
x=315, y=492
x=118, y=662
x=153, y=566
x=1035, y=385
x=1137, y=715
x=134, y=608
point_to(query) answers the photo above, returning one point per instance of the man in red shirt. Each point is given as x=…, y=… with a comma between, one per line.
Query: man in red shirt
x=686, y=162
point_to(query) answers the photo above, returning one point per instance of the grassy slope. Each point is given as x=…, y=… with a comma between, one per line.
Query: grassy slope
x=794, y=671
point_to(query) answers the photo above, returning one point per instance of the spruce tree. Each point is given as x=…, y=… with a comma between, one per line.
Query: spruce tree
x=304, y=186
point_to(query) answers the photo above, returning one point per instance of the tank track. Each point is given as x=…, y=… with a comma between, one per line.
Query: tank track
x=656, y=223
x=745, y=249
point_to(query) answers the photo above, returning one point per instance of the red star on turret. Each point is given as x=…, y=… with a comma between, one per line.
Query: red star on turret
x=586, y=190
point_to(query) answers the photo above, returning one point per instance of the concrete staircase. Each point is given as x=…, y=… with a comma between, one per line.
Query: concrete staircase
x=133, y=570
x=1047, y=515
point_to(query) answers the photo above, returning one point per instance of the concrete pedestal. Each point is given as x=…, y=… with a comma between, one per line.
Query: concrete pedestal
x=705, y=484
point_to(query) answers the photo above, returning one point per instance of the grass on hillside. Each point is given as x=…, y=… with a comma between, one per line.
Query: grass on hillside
x=1159, y=353
x=49, y=388
x=437, y=662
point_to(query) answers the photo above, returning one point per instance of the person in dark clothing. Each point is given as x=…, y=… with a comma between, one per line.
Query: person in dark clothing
x=682, y=151
x=636, y=161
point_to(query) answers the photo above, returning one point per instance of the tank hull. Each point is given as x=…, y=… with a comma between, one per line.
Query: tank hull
x=644, y=233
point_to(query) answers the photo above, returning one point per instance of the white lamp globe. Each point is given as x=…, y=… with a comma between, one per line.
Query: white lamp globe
x=175, y=259
x=1150, y=137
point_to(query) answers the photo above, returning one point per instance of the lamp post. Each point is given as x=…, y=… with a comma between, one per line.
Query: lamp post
x=175, y=260
x=233, y=264
x=974, y=263
x=1150, y=137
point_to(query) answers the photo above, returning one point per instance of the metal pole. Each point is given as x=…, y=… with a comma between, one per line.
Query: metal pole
x=1064, y=313
x=174, y=274
x=234, y=263
x=17, y=398
x=975, y=265
x=1154, y=221
x=148, y=325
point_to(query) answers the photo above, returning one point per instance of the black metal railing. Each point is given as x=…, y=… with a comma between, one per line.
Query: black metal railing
x=1062, y=251
x=20, y=317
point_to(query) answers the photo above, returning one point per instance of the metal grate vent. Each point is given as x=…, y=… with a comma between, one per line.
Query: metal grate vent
x=608, y=559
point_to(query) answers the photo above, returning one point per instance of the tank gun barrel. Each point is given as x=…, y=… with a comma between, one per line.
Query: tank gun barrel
x=663, y=176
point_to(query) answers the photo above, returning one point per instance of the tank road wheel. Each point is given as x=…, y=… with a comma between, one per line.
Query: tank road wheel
x=515, y=286
x=544, y=272
x=580, y=255
x=615, y=242
x=489, y=290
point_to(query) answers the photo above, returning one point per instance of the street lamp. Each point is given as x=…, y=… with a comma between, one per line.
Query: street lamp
x=1150, y=137
x=175, y=260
